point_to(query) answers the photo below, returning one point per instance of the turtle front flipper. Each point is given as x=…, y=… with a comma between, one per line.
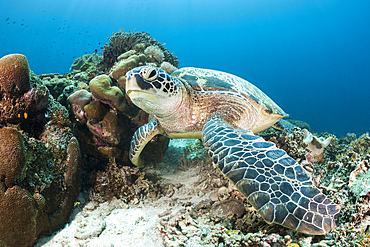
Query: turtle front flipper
x=141, y=137
x=274, y=183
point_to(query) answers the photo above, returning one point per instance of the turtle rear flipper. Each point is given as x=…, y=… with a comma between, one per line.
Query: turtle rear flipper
x=274, y=183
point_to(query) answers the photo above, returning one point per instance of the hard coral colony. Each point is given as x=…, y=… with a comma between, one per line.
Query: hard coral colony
x=42, y=177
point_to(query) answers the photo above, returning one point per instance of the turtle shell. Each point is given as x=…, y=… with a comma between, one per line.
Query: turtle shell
x=208, y=79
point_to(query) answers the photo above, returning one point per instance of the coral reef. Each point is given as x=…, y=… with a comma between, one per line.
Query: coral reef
x=187, y=189
x=121, y=42
x=40, y=160
x=110, y=117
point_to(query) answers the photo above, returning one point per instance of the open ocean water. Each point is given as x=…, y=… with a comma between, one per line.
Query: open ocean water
x=311, y=57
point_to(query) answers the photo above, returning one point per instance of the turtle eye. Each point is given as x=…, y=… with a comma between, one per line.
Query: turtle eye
x=150, y=74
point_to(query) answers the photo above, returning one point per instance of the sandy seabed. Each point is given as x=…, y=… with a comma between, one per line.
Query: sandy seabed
x=116, y=224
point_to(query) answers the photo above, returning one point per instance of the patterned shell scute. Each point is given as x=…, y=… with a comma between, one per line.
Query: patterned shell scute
x=208, y=79
x=273, y=182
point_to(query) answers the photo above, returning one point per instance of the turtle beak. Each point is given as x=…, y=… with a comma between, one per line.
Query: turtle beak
x=131, y=83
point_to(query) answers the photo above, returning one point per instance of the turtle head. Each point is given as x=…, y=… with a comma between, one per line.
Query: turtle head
x=154, y=90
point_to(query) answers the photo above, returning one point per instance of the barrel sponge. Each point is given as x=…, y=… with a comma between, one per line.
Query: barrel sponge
x=12, y=156
x=101, y=87
x=14, y=74
x=18, y=212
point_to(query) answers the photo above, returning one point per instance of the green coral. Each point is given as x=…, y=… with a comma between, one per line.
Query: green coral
x=101, y=87
x=124, y=65
x=57, y=85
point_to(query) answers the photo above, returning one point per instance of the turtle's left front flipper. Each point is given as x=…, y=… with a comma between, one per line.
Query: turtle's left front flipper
x=274, y=183
x=141, y=137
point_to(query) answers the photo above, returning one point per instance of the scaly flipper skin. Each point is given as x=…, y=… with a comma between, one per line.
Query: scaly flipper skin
x=141, y=137
x=273, y=182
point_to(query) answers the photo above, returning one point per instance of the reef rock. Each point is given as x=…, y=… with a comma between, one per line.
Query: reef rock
x=225, y=208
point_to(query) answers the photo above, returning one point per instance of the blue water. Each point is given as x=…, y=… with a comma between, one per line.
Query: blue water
x=311, y=57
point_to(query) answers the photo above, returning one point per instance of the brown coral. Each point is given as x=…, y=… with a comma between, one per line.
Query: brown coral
x=108, y=130
x=23, y=216
x=14, y=74
x=18, y=211
x=12, y=157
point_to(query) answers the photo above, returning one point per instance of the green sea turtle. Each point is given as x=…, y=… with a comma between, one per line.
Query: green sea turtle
x=225, y=111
